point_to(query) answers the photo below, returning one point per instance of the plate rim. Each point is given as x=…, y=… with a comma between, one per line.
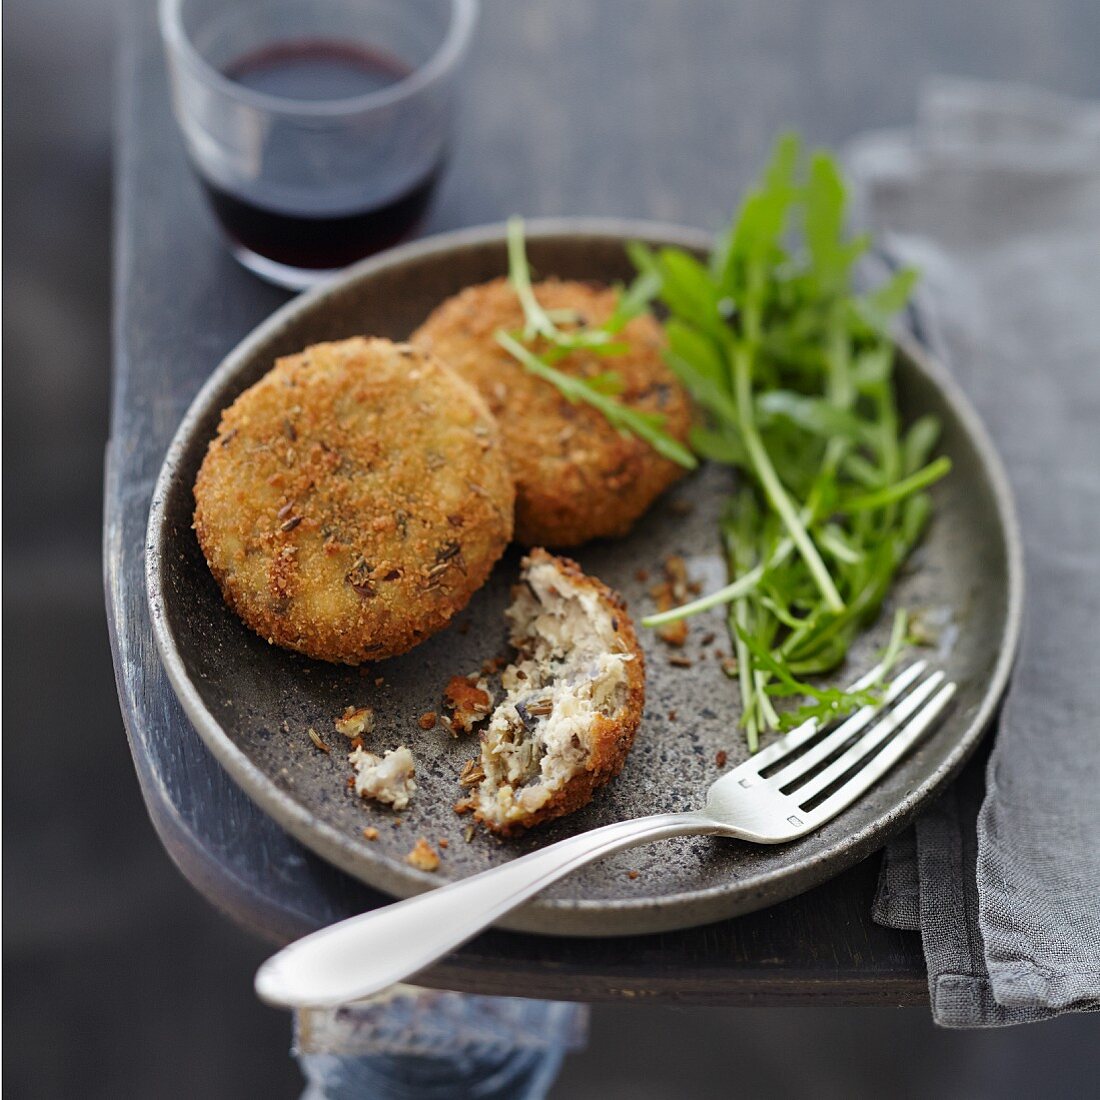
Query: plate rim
x=577, y=916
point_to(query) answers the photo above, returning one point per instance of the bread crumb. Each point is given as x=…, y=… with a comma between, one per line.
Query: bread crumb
x=729, y=666
x=708, y=639
x=469, y=701
x=672, y=716
x=354, y=722
x=670, y=593
x=641, y=575
x=387, y=778
x=720, y=758
x=444, y=842
x=675, y=570
x=370, y=833
x=678, y=661
x=427, y=720
x=315, y=737
x=632, y=875
x=379, y=681
x=675, y=634
x=423, y=856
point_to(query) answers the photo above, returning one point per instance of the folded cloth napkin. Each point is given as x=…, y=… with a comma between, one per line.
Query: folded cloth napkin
x=995, y=196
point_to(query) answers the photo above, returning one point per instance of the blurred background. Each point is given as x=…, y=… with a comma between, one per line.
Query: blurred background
x=119, y=980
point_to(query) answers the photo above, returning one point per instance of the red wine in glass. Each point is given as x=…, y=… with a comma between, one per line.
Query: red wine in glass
x=320, y=239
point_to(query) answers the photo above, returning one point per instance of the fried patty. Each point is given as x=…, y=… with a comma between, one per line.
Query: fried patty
x=577, y=477
x=353, y=500
x=573, y=703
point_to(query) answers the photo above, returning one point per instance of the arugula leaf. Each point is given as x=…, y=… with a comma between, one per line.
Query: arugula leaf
x=918, y=443
x=719, y=446
x=900, y=489
x=825, y=222
x=633, y=301
x=539, y=322
x=792, y=371
x=601, y=390
x=811, y=414
x=645, y=425
x=697, y=351
x=878, y=307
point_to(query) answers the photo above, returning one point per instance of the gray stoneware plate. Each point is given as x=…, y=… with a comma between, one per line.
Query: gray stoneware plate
x=253, y=703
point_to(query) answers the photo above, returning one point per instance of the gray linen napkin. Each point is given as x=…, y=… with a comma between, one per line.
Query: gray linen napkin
x=995, y=195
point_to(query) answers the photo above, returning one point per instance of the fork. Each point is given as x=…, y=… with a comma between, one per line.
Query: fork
x=783, y=792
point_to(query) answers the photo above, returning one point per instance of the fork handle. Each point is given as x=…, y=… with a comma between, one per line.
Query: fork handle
x=371, y=951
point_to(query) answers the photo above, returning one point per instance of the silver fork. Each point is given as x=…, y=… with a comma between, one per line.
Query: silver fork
x=777, y=795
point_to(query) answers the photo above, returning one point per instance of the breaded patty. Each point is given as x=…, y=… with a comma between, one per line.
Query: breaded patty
x=577, y=477
x=573, y=703
x=353, y=500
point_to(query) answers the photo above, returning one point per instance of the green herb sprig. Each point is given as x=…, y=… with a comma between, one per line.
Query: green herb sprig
x=602, y=390
x=792, y=369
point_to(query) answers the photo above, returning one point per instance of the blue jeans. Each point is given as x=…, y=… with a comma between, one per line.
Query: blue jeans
x=419, y=1044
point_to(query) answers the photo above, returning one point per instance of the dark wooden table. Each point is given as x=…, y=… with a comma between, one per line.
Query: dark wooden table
x=625, y=107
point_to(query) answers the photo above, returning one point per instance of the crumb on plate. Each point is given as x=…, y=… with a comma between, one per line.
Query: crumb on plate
x=469, y=701
x=387, y=779
x=669, y=593
x=423, y=856
x=354, y=722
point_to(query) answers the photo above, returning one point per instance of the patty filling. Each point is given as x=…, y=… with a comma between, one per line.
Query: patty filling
x=387, y=778
x=570, y=670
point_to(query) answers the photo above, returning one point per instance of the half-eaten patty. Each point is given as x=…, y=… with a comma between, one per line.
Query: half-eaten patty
x=573, y=700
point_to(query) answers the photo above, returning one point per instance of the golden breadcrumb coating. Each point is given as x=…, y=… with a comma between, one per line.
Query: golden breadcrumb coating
x=577, y=477
x=353, y=500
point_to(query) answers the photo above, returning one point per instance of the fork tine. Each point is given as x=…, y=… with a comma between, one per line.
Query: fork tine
x=877, y=768
x=801, y=734
x=890, y=722
x=845, y=730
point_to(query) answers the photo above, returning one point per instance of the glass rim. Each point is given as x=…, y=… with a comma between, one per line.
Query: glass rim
x=445, y=58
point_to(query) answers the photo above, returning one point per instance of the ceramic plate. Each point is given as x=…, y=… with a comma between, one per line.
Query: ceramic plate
x=253, y=703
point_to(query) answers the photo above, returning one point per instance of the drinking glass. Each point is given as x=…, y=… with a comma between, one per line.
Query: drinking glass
x=319, y=130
